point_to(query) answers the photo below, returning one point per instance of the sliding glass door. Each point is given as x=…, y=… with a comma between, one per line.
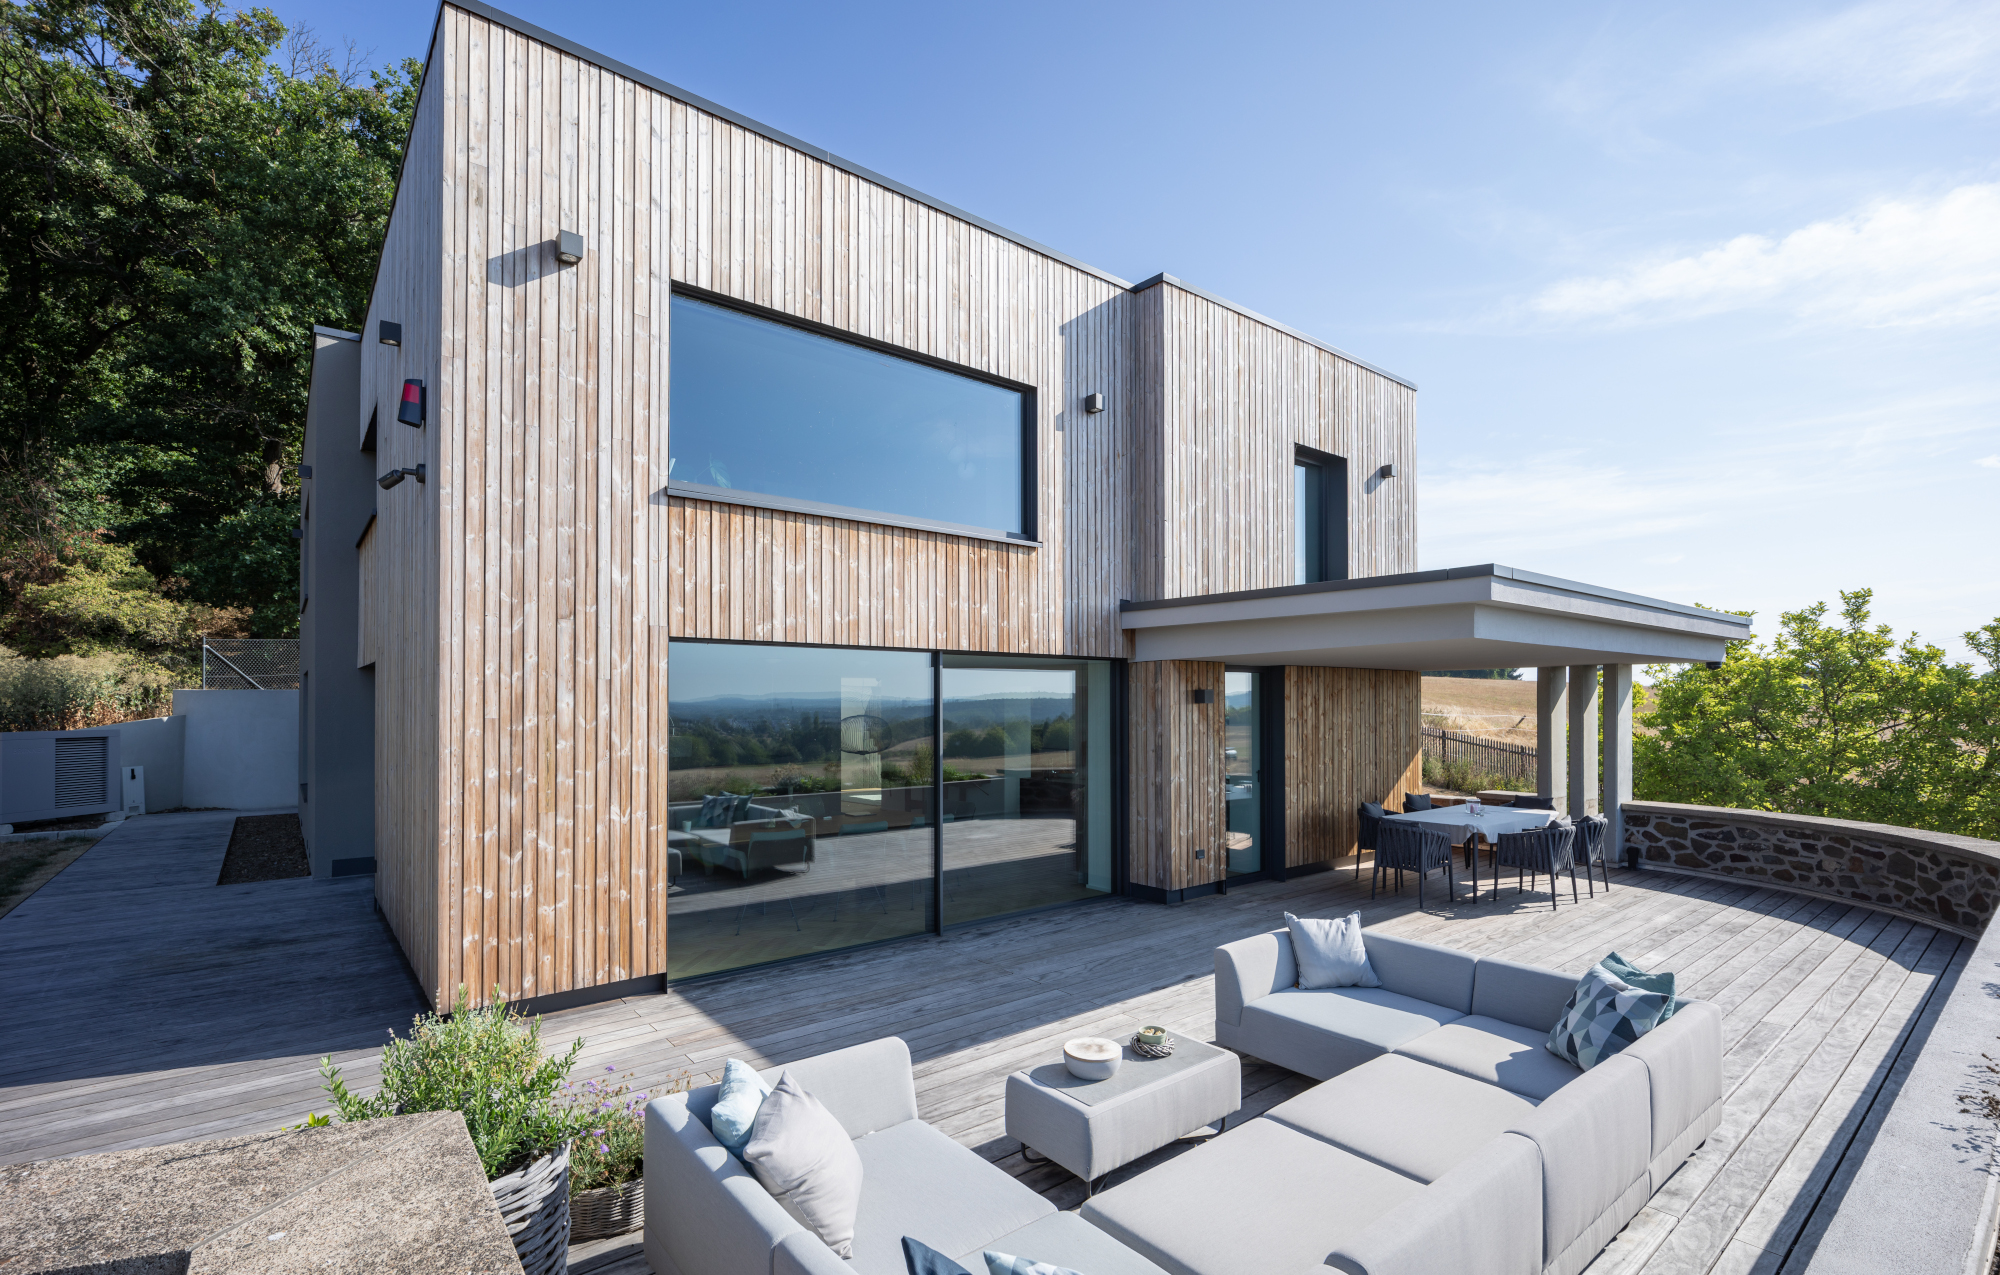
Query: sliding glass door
x=1242, y=776
x=1029, y=792
x=801, y=791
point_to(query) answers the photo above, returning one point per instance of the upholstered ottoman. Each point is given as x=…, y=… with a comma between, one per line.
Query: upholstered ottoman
x=1091, y=1127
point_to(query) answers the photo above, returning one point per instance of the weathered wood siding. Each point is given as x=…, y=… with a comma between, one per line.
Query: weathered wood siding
x=1175, y=792
x=401, y=599
x=1213, y=459
x=364, y=637
x=1351, y=735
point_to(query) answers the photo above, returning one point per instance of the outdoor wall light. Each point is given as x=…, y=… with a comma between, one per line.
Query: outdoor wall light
x=389, y=333
x=1713, y=665
x=1093, y=403
x=303, y=471
x=412, y=410
x=395, y=476
x=1201, y=697
x=569, y=247
x=1387, y=471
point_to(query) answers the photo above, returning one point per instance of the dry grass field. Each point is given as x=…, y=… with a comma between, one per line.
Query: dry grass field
x=1491, y=708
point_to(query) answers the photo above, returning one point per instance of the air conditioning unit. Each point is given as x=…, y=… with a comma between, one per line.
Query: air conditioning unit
x=57, y=774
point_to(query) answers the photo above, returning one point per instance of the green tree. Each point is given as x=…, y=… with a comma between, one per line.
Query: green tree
x=177, y=209
x=1834, y=719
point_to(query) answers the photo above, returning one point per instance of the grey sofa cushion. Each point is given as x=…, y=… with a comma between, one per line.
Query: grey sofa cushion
x=1596, y=1138
x=866, y=1087
x=1515, y=1058
x=1404, y=1115
x=1425, y=971
x=1324, y=1033
x=688, y=1173
x=1064, y=1239
x=1524, y=995
x=1262, y=1197
x=1683, y=1061
x=916, y=1181
x=804, y=1158
x=1482, y=1218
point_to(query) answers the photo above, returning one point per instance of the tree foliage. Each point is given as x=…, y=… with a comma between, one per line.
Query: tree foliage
x=1835, y=719
x=184, y=193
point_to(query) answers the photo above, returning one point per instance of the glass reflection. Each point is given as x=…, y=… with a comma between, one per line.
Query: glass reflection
x=761, y=406
x=800, y=790
x=1241, y=792
x=1027, y=784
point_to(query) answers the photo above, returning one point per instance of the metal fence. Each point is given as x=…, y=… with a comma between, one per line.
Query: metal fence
x=250, y=664
x=1512, y=763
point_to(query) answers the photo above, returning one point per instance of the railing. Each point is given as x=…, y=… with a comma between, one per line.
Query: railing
x=1513, y=765
x=250, y=664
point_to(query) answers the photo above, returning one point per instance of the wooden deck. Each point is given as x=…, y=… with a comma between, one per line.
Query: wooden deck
x=149, y=1005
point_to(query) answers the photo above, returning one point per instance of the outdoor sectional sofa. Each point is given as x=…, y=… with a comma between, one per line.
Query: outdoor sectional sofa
x=1444, y=1138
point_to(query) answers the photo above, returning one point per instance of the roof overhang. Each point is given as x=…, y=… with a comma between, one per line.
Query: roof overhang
x=1464, y=617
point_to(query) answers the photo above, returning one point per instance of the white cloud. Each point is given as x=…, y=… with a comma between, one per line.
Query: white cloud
x=1990, y=462
x=1881, y=55
x=1895, y=263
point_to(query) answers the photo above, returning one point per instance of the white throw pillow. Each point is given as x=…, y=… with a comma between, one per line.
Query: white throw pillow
x=1329, y=953
x=804, y=1158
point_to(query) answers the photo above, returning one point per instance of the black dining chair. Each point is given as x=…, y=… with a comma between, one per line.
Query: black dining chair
x=1590, y=849
x=1528, y=801
x=1413, y=847
x=1371, y=815
x=1413, y=802
x=1544, y=850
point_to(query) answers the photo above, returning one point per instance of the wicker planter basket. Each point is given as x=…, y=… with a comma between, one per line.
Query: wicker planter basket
x=534, y=1203
x=607, y=1211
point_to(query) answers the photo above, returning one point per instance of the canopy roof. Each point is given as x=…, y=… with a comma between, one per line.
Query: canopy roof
x=1462, y=617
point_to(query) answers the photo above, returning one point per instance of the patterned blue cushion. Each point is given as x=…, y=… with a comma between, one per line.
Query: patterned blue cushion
x=1662, y=983
x=1604, y=1014
x=715, y=812
x=922, y=1259
x=1008, y=1264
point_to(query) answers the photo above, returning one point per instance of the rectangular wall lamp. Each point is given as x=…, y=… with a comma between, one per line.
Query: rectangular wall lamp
x=1093, y=403
x=569, y=247
x=412, y=410
x=389, y=333
x=1201, y=697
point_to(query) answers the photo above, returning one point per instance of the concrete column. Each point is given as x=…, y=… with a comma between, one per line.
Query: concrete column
x=1617, y=756
x=1552, y=734
x=1583, y=739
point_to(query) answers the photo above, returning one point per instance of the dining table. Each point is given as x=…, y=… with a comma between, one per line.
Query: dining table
x=1466, y=828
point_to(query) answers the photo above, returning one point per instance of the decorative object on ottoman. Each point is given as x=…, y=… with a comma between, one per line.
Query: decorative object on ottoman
x=1092, y=1057
x=1153, y=1042
x=534, y=1203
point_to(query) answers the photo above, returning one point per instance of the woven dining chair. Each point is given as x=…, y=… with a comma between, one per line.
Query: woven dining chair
x=1370, y=816
x=1542, y=850
x=1413, y=802
x=1413, y=847
x=1590, y=848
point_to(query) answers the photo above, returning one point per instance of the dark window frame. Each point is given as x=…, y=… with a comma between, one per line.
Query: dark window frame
x=1333, y=512
x=1030, y=534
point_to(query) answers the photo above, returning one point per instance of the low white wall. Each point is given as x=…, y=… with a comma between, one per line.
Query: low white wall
x=242, y=748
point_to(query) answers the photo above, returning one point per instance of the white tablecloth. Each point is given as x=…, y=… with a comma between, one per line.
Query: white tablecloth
x=1490, y=823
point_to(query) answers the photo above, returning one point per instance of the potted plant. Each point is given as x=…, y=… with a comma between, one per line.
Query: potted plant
x=488, y=1064
x=607, y=1188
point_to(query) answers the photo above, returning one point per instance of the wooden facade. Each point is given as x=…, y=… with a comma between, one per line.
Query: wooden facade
x=1351, y=735
x=519, y=598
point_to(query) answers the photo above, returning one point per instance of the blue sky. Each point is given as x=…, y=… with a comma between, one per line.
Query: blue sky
x=1702, y=301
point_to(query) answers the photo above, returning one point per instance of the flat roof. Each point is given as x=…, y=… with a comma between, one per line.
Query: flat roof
x=1488, y=616
x=825, y=156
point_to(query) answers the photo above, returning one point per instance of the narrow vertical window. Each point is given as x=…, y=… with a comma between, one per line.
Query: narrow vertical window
x=1319, y=513
x=1309, y=537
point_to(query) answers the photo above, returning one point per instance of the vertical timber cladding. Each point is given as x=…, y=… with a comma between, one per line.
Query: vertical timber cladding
x=1351, y=735
x=1227, y=398
x=399, y=606
x=1175, y=754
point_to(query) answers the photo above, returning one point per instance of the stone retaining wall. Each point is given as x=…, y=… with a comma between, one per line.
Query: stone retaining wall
x=1938, y=878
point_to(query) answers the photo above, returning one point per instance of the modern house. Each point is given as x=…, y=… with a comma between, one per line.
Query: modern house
x=728, y=554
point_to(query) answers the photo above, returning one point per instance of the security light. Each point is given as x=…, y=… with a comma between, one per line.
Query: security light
x=412, y=410
x=1387, y=471
x=1093, y=403
x=1201, y=697
x=389, y=333
x=569, y=247
x=395, y=476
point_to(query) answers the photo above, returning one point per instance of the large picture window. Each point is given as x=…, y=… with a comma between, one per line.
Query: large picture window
x=763, y=408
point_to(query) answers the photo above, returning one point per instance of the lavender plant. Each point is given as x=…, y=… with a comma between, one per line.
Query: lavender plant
x=611, y=1140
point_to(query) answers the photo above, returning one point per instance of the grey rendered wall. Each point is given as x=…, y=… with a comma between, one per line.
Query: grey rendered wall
x=159, y=744
x=242, y=749
x=336, y=771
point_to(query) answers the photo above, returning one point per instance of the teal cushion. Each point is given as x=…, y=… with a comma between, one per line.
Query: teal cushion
x=922, y=1259
x=1603, y=1015
x=736, y=1107
x=1661, y=983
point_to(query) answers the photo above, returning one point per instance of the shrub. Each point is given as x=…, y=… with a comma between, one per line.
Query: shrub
x=611, y=1147
x=72, y=692
x=486, y=1063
